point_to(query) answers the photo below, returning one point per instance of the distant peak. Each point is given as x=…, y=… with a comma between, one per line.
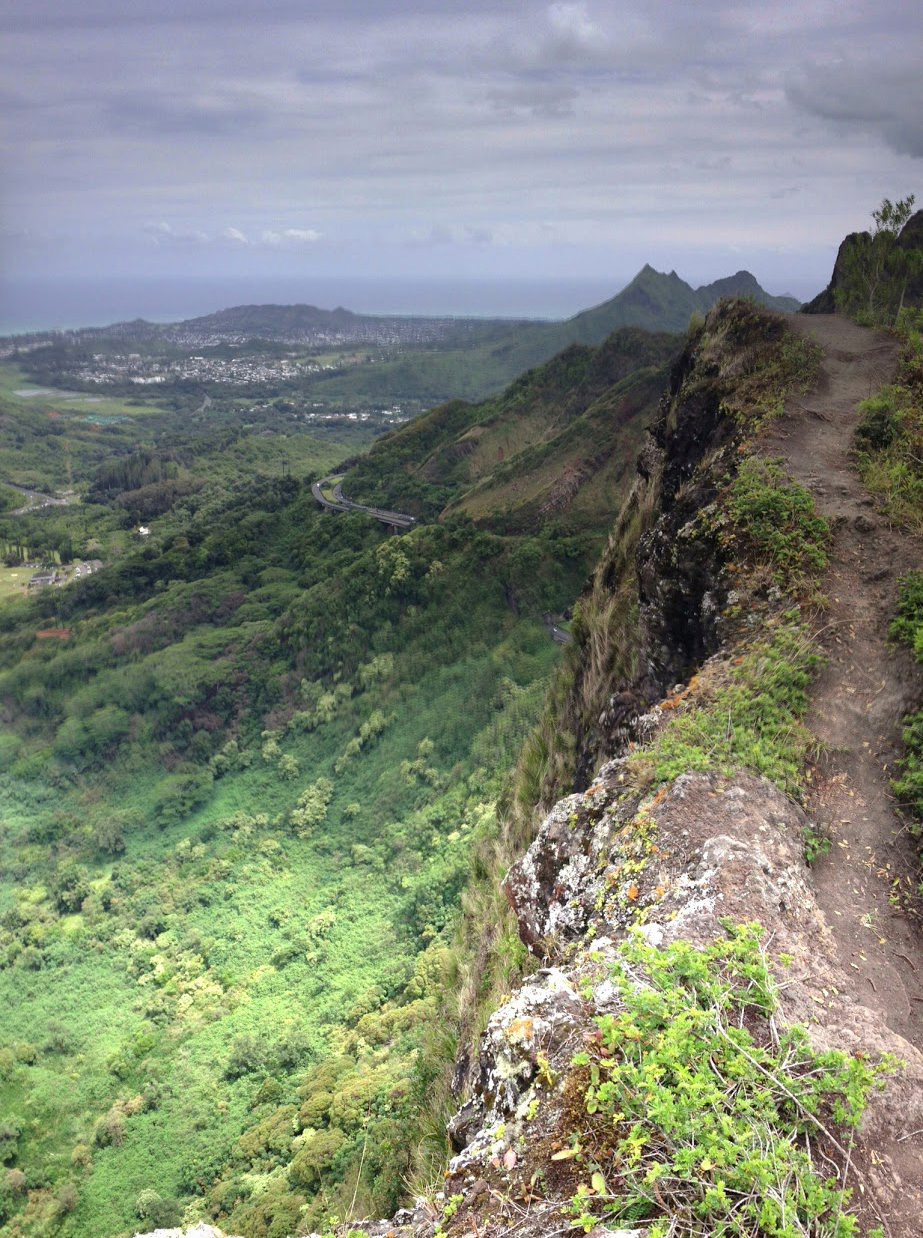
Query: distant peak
x=647, y=271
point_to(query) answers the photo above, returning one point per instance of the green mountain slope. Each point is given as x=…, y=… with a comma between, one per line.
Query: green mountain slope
x=652, y=300
x=245, y=770
x=554, y=443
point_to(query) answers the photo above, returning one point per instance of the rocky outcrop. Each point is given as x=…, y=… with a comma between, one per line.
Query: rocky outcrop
x=911, y=237
x=709, y=851
x=825, y=301
x=681, y=865
x=676, y=562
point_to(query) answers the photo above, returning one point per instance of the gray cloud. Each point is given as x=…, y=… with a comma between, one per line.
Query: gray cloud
x=200, y=114
x=881, y=95
x=564, y=132
x=58, y=14
x=543, y=99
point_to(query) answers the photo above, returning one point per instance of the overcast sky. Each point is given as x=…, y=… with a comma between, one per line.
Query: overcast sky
x=485, y=138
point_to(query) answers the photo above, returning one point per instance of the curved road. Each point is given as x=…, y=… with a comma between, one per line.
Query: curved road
x=37, y=499
x=400, y=520
x=340, y=503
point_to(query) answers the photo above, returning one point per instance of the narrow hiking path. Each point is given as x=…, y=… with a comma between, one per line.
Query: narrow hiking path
x=865, y=884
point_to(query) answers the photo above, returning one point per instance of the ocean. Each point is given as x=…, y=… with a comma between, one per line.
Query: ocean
x=46, y=305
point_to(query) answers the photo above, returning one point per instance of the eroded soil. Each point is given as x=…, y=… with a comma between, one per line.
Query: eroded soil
x=866, y=883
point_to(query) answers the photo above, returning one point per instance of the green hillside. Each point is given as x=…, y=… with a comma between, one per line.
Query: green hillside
x=557, y=441
x=244, y=770
x=652, y=300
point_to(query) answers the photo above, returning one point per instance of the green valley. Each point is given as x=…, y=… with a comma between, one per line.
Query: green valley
x=325, y=361
x=246, y=768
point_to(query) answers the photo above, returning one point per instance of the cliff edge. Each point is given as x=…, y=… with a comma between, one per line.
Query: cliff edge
x=718, y=1032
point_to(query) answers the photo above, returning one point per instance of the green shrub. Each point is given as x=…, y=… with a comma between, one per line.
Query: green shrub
x=159, y=1213
x=698, y=1107
x=147, y=1199
x=753, y=720
x=315, y=1156
x=907, y=627
x=774, y=520
x=67, y=1198
x=9, y=1136
x=248, y=1055
x=889, y=437
x=70, y=887
x=181, y=795
x=880, y=421
x=907, y=624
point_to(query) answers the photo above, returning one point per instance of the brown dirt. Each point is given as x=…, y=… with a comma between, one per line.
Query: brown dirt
x=866, y=883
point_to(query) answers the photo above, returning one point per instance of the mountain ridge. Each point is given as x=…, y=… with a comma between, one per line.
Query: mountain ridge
x=250, y=316
x=653, y=300
x=693, y=653
x=514, y=458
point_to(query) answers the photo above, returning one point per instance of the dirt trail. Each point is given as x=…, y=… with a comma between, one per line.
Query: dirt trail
x=865, y=883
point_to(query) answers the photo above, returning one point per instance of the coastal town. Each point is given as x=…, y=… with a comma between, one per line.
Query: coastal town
x=299, y=326
x=146, y=371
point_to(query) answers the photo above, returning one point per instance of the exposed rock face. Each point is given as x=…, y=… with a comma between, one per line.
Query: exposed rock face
x=553, y=887
x=541, y=1021
x=678, y=562
x=825, y=302
x=679, y=566
x=710, y=850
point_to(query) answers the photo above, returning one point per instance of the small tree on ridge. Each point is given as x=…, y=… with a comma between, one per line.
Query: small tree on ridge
x=877, y=268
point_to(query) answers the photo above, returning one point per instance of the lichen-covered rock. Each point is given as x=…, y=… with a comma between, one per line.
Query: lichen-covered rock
x=552, y=888
x=536, y=1024
x=416, y=1222
x=705, y=850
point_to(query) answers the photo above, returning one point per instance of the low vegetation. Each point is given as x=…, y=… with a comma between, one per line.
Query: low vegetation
x=768, y=520
x=699, y=1109
x=907, y=627
x=746, y=713
x=889, y=438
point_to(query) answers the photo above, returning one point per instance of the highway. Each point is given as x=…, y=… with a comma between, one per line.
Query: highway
x=340, y=503
x=560, y=636
x=36, y=499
